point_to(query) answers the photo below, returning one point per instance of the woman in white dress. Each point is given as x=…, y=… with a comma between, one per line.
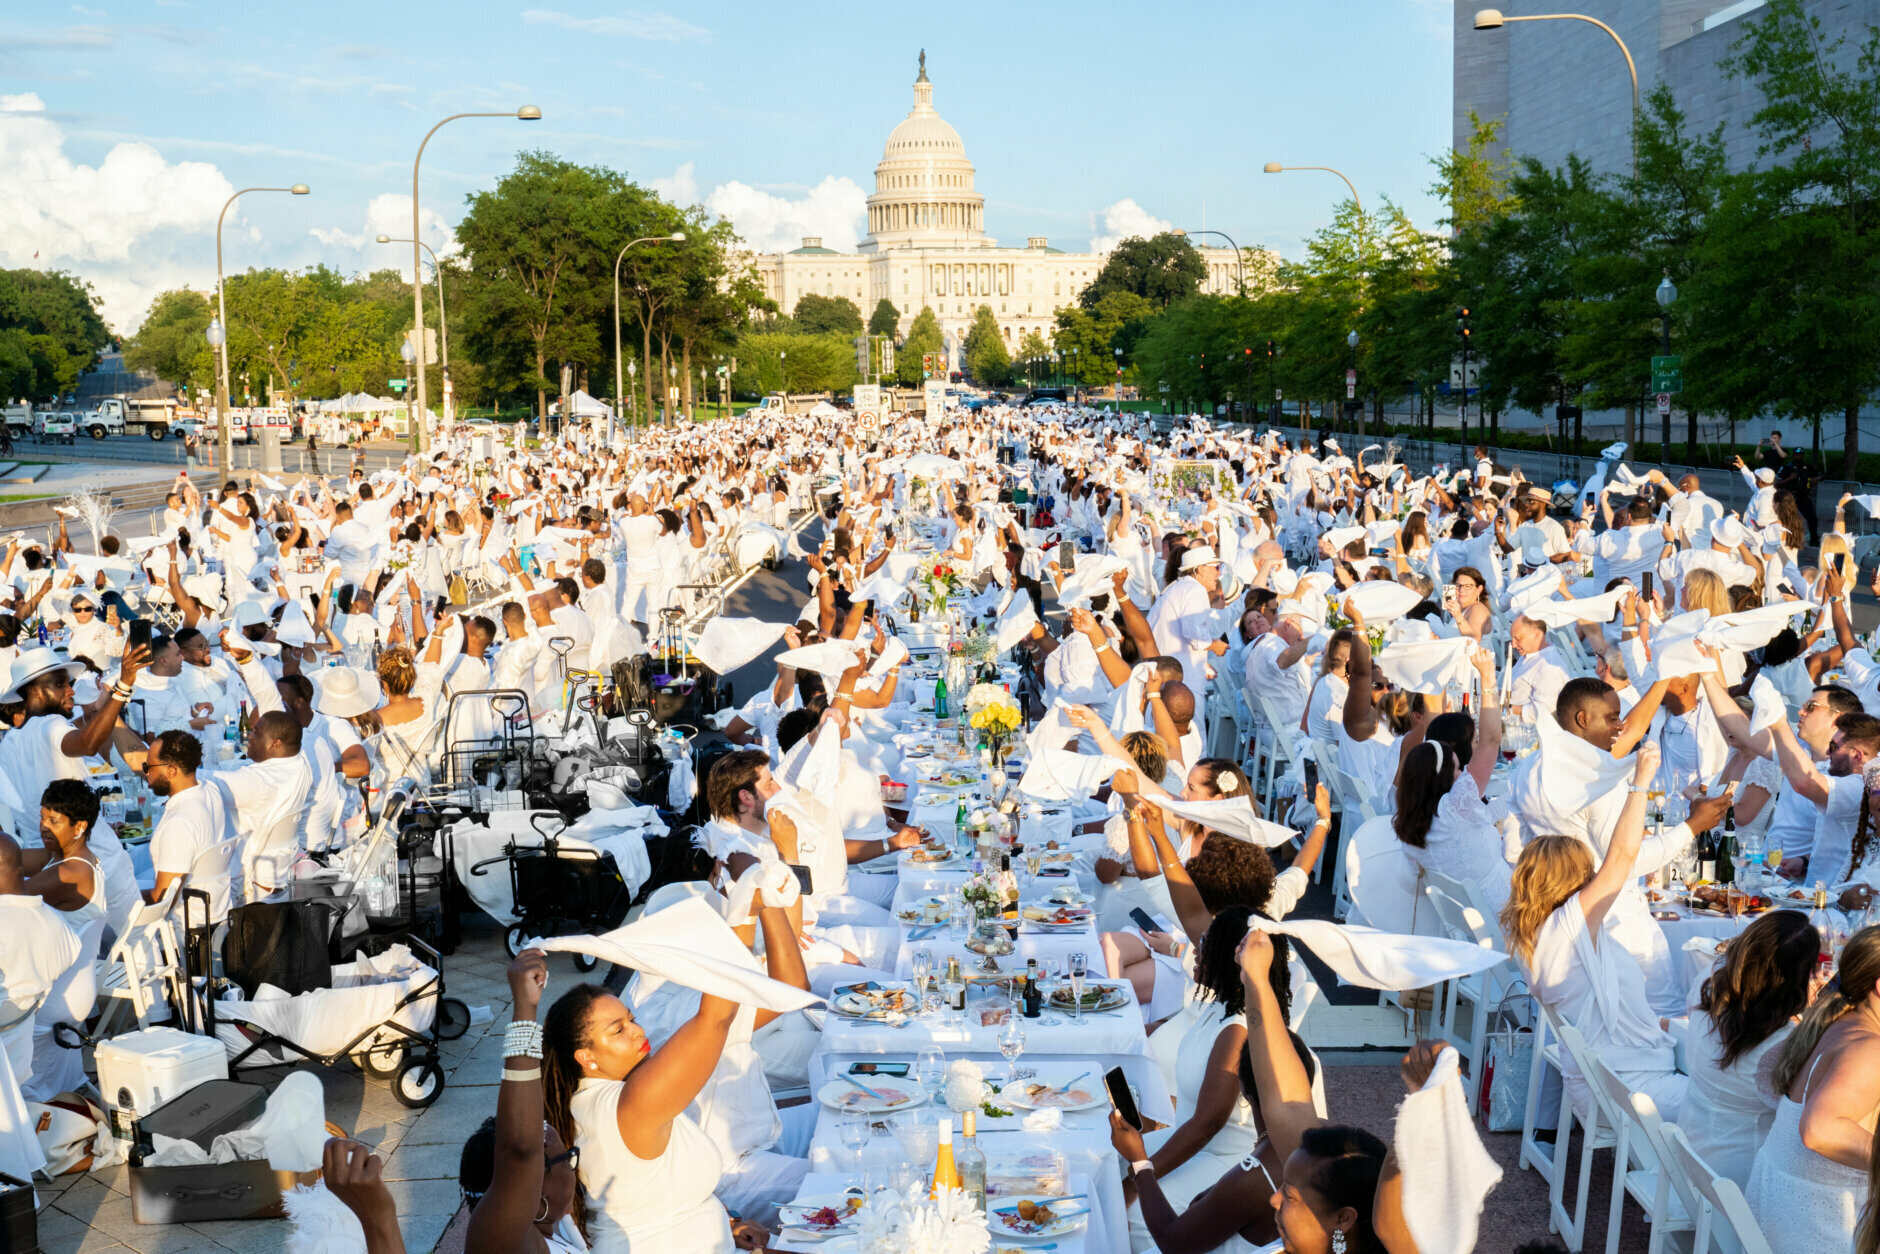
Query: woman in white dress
x=1809, y=1179
x=650, y=1172
x=1325, y=706
x=1444, y=817
x=1557, y=906
x=1216, y=1126
x=1743, y=1015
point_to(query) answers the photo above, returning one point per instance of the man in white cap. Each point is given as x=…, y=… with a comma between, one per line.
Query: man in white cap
x=48, y=745
x=1761, y=511
x=1188, y=623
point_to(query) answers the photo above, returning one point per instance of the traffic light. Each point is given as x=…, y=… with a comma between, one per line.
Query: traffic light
x=1249, y=352
x=1270, y=348
x=1462, y=323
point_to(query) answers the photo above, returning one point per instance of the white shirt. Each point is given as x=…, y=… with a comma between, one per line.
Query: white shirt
x=194, y=821
x=1834, y=830
x=1285, y=690
x=350, y=544
x=1537, y=681
x=30, y=758
x=264, y=796
x=37, y=947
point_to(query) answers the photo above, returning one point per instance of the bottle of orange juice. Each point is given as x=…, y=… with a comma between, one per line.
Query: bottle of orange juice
x=945, y=1174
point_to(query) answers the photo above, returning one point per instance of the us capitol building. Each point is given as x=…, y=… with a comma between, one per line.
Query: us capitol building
x=927, y=247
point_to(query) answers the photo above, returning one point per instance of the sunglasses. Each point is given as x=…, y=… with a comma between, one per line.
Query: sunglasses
x=82, y=609
x=571, y=1156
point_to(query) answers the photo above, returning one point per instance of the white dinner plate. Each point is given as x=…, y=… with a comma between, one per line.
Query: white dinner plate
x=843, y=1096
x=1086, y=1094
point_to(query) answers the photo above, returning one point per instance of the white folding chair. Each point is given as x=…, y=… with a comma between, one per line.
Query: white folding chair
x=1595, y=1134
x=1452, y=916
x=1685, y=1203
x=1725, y=1215
x=1280, y=757
x=71, y=998
x=1635, y=1169
x=144, y=964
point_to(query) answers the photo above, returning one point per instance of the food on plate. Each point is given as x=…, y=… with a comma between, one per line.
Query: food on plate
x=1061, y=916
x=1026, y=1216
x=855, y=1099
x=1048, y=1095
x=856, y=1000
x=822, y=1218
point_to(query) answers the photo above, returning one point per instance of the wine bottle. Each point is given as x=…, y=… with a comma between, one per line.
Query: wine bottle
x=1726, y=848
x=971, y=1160
x=946, y=1175
x=1706, y=858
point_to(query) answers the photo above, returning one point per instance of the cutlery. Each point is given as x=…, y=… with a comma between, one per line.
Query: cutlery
x=858, y=1084
x=1066, y=1086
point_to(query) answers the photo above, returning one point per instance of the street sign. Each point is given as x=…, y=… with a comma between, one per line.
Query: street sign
x=1668, y=373
x=1279, y=394
x=1455, y=373
x=399, y=385
x=1664, y=404
x=1351, y=384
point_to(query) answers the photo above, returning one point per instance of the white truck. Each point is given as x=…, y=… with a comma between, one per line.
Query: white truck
x=54, y=425
x=106, y=419
x=18, y=419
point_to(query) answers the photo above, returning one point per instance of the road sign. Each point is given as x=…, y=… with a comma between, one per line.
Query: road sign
x=1664, y=404
x=1668, y=373
x=1279, y=394
x=1455, y=373
x=399, y=385
x=1351, y=384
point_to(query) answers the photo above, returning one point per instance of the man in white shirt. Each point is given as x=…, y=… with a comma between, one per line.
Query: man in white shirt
x=1277, y=674
x=166, y=701
x=37, y=948
x=1540, y=674
x=1836, y=795
x=1792, y=826
x=1186, y=621
x=269, y=798
x=184, y=844
x=92, y=636
x=1761, y=511
x=48, y=745
x=352, y=545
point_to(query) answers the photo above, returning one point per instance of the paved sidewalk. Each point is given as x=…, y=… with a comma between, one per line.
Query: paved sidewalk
x=91, y=1213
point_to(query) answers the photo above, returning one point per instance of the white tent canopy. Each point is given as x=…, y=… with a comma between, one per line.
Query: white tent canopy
x=581, y=405
x=823, y=409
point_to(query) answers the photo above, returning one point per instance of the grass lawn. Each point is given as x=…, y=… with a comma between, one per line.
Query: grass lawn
x=17, y=498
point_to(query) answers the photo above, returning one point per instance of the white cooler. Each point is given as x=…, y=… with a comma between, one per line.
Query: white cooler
x=140, y=1071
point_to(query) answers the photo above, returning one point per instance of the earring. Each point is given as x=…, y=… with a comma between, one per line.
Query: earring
x=542, y=1215
x=1338, y=1241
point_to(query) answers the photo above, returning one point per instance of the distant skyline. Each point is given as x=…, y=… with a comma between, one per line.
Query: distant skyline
x=124, y=124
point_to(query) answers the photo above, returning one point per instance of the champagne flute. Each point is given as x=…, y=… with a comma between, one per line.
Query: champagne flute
x=930, y=1068
x=921, y=965
x=1077, y=966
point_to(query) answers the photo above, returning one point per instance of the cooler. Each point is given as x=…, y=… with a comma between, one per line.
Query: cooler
x=140, y=1071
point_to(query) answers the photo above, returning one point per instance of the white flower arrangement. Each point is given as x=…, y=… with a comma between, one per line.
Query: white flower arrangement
x=949, y=1223
x=983, y=695
x=966, y=1085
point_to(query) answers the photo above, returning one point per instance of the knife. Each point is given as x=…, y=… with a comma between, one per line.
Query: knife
x=843, y=1075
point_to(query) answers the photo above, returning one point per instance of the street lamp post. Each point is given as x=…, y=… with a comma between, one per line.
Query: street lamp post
x=219, y=340
x=527, y=113
x=675, y=237
x=1119, y=379
x=1351, y=342
x=409, y=352
x=443, y=323
x=1274, y=167
x=1239, y=257
x=1495, y=19
x=1667, y=293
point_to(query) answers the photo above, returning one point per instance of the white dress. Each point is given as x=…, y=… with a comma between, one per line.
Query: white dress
x=1236, y=1138
x=1465, y=843
x=1726, y=1114
x=1804, y=1203
x=663, y=1205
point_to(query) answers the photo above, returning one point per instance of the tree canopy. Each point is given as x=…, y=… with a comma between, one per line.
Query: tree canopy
x=1161, y=270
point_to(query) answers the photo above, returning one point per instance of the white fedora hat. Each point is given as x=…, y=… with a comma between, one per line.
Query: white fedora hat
x=33, y=663
x=344, y=692
x=1198, y=556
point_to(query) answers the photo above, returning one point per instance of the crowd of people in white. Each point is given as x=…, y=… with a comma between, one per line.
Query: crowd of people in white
x=1551, y=699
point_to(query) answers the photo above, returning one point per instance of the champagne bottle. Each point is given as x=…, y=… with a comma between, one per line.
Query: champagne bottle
x=946, y=1175
x=1706, y=858
x=972, y=1160
x=1726, y=848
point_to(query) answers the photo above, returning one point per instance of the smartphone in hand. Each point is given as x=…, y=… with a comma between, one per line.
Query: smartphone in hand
x=1121, y=1098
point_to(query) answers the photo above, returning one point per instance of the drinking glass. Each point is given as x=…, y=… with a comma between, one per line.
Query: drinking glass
x=1077, y=967
x=1012, y=1044
x=930, y=1068
x=855, y=1133
x=921, y=965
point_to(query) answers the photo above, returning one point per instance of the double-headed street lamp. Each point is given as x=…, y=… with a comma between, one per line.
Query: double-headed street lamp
x=217, y=334
x=676, y=237
x=527, y=113
x=437, y=272
x=1495, y=19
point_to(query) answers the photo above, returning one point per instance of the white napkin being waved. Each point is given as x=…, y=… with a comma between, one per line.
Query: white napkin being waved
x=728, y=643
x=1391, y=961
x=770, y=883
x=1447, y=1174
x=1380, y=602
x=1767, y=708
x=828, y=658
x=1231, y=816
x=688, y=944
x=1017, y=623
x=1431, y=666
x=1753, y=628
x=1058, y=775
x=1598, y=609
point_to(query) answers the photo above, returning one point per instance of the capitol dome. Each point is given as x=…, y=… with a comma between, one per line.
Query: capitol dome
x=924, y=195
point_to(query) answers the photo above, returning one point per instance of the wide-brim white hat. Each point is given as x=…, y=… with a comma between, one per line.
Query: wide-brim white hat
x=346, y=692
x=32, y=664
x=1198, y=556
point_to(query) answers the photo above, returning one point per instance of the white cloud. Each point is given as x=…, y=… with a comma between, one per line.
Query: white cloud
x=96, y=219
x=389, y=213
x=835, y=209
x=681, y=188
x=1122, y=220
x=661, y=27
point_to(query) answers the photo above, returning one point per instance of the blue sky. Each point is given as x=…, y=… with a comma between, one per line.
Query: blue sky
x=125, y=123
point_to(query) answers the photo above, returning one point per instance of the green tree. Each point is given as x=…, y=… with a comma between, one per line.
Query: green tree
x=986, y=358
x=1032, y=348
x=816, y=314
x=1162, y=269
x=769, y=362
x=171, y=344
x=51, y=324
x=1473, y=180
x=1820, y=119
x=886, y=320
x=1089, y=337
x=923, y=337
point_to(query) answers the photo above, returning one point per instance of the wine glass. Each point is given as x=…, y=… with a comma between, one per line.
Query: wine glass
x=855, y=1133
x=930, y=1068
x=1076, y=967
x=1012, y=1044
x=920, y=965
